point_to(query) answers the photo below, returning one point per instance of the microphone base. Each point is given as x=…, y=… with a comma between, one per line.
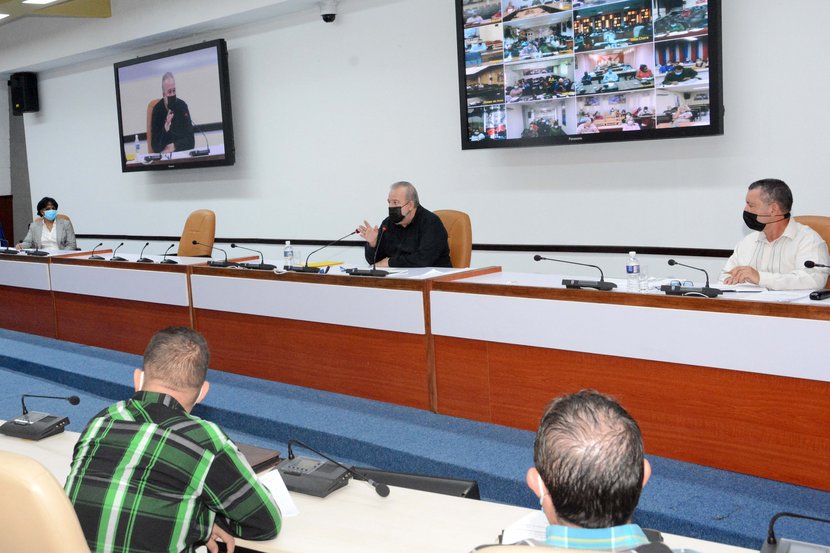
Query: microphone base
x=169, y=262
x=145, y=260
x=9, y=251
x=98, y=257
x=259, y=266
x=195, y=153
x=367, y=272
x=222, y=264
x=117, y=258
x=38, y=253
x=152, y=157
x=585, y=284
x=34, y=426
x=689, y=291
x=302, y=269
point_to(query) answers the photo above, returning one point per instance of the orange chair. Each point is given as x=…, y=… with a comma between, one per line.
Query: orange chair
x=460, y=236
x=200, y=226
x=821, y=225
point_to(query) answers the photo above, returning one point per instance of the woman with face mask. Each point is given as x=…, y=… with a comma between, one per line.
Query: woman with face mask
x=50, y=231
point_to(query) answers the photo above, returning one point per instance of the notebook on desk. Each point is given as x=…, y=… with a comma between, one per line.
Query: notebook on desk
x=259, y=458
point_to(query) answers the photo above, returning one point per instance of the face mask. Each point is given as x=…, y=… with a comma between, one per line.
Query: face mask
x=50, y=214
x=396, y=214
x=171, y=101
x=751, y=220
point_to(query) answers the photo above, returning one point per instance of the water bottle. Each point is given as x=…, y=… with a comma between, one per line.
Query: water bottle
x=288, y=254
x=137, y=147
x=632, y=272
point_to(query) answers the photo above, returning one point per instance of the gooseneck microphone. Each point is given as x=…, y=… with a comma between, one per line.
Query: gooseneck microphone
x=203, y=151
x=213, y=263
x=374, y=271
x=261, y=266
x=34, y=425
x=8, y=251
x=164, y=257
x=689, y=291
x=117, y=257
x=771, y=544
x=305, y=268
x=141, y=258
x=811, y=264
x=93, y=256
x=73, y=400
x=381, y=488
x=601, y=284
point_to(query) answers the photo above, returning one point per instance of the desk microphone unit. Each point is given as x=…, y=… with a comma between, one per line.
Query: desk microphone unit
x=117, y=257
x=8, y=250
x=141, y=258
x=214, y=263
x=261, y=266
x=38, y=252
x=93, y=256
x=36, y=426
x=600, y=284
x=706, y=291
x=784, y=545
x=374, y=271
x=305, y=268
x=164, y=257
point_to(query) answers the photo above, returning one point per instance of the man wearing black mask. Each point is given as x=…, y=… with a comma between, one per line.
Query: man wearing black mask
x=773, y=255
x=412, y=236
x=172, y=129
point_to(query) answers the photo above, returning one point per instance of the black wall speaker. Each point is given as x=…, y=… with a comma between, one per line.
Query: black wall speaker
x=23, y=88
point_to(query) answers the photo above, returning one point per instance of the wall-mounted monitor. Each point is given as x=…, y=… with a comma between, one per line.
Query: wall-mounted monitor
x=174, y=109
x=548, y=72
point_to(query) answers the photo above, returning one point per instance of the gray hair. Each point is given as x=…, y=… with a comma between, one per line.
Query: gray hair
x=411, y=193
x=775, y=190
x=167, y=77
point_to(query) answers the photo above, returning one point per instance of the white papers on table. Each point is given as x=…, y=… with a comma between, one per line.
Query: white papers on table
x=532, y=526
x=273, y=481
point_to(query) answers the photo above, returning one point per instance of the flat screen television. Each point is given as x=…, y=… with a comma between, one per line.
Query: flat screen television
x=548, y=72
x=174, y=109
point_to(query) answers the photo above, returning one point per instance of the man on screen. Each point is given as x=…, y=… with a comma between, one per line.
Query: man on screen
x=171, y=126
x=413, y=236
x=773, y=255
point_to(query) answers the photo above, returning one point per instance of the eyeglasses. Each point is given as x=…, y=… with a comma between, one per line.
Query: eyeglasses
x=681, y=284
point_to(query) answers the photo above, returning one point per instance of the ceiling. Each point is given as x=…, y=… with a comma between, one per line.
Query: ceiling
x=60, y=8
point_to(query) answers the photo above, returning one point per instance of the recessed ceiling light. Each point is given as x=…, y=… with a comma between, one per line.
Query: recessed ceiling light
x=39, y=1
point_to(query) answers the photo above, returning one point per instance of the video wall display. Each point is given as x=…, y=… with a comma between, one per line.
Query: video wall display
x=543, y=72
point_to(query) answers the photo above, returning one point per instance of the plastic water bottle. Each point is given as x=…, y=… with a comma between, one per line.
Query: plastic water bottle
x=288, y=254
x=137, y=147
x=632, y=272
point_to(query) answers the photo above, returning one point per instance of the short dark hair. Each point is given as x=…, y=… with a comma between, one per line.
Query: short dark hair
x=178, y=357
x=589, y=453
x=775, y=190
x=46, y=200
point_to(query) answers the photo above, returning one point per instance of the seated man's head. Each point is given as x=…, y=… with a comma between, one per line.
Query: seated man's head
x=589, y=465
x=175, y=363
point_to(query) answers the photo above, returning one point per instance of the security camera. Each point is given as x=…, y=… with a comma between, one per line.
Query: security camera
x=328, y=10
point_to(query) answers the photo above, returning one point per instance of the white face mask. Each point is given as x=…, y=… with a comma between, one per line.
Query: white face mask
x=541, y=491
x=141, y=381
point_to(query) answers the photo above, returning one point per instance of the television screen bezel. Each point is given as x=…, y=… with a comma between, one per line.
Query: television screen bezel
x=225, y=101
x=716, y=109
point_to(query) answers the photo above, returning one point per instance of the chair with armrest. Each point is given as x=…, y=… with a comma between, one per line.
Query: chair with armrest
x=460, y=236
x=150, y=107
x=200, y=226
x=821, y=225
x=37, y=516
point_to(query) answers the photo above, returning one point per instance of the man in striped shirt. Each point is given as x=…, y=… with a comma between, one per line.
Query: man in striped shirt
x=147, y=476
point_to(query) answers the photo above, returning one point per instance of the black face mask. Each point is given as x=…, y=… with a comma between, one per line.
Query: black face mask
x=171, y=102
x=751, y=220
x=396, y=214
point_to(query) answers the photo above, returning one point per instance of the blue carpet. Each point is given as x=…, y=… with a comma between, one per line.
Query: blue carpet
x=681, y=498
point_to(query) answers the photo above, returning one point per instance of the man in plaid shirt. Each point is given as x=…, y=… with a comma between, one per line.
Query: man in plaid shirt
x=147, y=476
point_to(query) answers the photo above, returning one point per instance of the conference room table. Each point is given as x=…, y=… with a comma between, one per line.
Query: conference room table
x=355, y=519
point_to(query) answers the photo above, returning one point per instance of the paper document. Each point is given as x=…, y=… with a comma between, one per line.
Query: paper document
x=273, y=481
x=532, y=526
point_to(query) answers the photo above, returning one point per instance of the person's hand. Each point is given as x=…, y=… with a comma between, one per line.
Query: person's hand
x=743, y=274
x=169, y=149
x=168, y=121
x=19, y=246
x=218, y=534
x=384, y=263
x=368, y=233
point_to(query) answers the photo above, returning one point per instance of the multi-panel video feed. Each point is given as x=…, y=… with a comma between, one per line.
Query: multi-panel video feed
x=539, y=72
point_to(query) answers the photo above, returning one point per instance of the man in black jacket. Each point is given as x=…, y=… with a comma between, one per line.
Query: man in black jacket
x=171, y=125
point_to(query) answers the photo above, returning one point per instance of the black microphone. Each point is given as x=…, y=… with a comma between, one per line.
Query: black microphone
x=811, y=264
x=305, y=268
x=579, y=284
x=373, y=272
x=164, y=257
x=117, y=257
x=771, y=543
x=9, y=251
x=34, y=425
x=213, y=263
x=141, y=258
x=381, y=488
x=261, y=265
x=38, y=252
x=687, y=291
x=93, y=256
x=203, y=152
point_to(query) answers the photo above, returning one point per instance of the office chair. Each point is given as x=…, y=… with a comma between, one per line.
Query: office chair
x=460, y=235
x=200, y=226
x=37, y=516
x=821, y=225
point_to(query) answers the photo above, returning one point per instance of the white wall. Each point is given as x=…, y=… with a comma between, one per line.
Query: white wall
x=326, y=116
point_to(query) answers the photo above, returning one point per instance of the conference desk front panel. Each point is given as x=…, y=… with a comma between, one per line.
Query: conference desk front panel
x=358, y=336
x=741, y=386
x=26, y=303
x=118, y=305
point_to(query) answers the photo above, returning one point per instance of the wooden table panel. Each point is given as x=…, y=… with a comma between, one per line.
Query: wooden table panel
x=379, y=365
x=26, y=310
x=463, y=378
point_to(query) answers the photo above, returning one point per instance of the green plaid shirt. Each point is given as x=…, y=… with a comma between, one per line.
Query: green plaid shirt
x=147, y=476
